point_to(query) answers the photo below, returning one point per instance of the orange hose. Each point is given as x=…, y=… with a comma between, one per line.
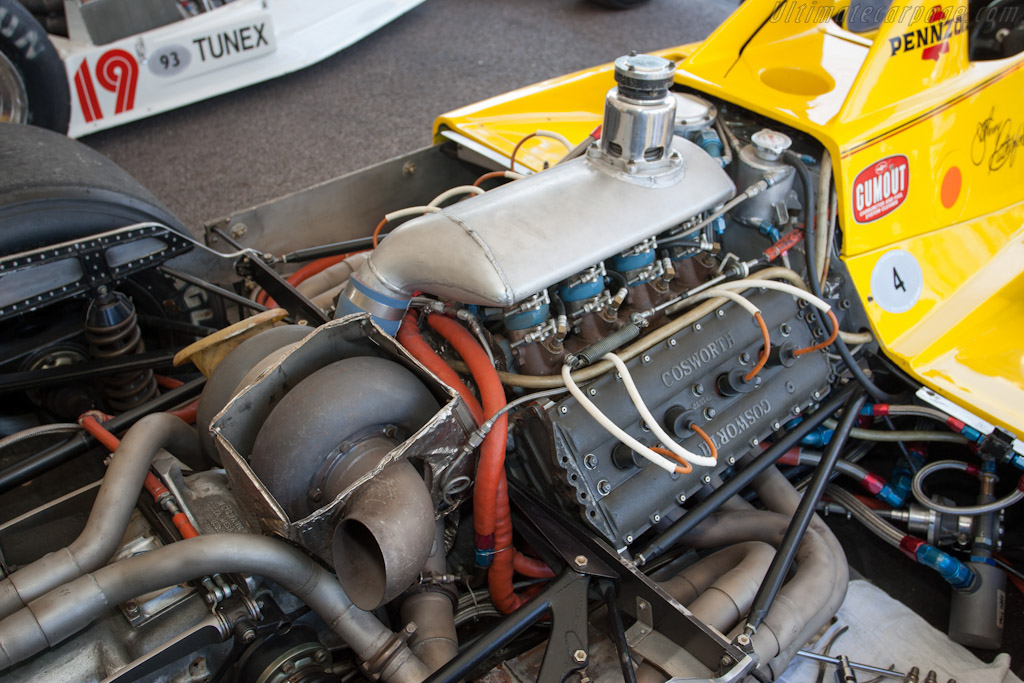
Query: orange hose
x=527, y=566
x=488, y=176
x=409, y=336
x=376, y=231
x=165, y=382
x=305, y=272
x=707, y=439
x=684, y=467
x=515, y=150
x=763, y=356
x=492, y=451
x=187, y=412
x=820, y=345
x=500, y=574
x=492, y=516
x=153, y=485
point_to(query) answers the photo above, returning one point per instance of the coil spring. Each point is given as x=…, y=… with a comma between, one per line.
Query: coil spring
x=111, y=331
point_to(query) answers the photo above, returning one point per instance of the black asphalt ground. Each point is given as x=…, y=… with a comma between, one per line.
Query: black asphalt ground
x=379, y=97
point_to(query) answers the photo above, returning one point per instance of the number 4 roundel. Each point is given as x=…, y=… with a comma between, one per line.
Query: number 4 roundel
x=117, y=72
x=897, y=281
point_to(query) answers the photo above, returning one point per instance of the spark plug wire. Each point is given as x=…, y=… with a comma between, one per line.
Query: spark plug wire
x=537, y=134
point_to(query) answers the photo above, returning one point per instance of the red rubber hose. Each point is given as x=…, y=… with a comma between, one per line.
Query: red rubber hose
x=527, y=566
x=492, y=516
x=153, y=485
x=304, y=273
x=492, y=452
x=409, y=336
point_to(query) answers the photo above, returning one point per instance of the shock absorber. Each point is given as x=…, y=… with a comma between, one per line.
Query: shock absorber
x=112, y=330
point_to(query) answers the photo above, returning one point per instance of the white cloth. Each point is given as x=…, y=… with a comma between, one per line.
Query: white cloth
x=884, y=631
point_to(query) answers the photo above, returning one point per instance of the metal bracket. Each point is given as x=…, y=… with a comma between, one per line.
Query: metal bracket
x=281, y=290
x=32, y=279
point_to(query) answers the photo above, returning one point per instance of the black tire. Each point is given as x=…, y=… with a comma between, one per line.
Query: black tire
x=54, y=188
x=619, y=4
x=23, y=41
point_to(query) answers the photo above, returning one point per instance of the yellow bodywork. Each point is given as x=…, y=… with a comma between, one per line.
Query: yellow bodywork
x=906, y=90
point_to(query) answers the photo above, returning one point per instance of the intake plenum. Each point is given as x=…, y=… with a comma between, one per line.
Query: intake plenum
x=498, y=248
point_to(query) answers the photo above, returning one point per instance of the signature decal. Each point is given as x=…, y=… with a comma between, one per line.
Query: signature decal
x=996, y=141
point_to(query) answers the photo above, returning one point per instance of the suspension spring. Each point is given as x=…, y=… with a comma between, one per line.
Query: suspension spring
x=111, y=331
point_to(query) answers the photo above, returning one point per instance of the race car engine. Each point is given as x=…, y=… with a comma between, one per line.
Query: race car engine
x=569, y=377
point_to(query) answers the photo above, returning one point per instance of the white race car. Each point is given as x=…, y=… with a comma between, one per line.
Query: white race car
x=122, y=60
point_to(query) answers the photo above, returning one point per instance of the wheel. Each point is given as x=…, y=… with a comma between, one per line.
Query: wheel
x=619, y=4
x=55, y=189
x=33, y=84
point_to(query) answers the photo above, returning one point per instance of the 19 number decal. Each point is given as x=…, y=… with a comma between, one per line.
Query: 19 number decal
x=116, y=71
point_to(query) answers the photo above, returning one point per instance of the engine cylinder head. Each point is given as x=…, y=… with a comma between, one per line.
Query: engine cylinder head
x=639, y=113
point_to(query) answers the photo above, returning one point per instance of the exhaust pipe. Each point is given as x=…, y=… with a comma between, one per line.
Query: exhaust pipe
x=382, y=543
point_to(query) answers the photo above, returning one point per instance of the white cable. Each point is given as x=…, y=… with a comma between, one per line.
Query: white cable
x=555, y=136
x=715, y=292
x=820, y=304
x=611, y=427
x=411, y=211
x=455, y=192
x=641, y=407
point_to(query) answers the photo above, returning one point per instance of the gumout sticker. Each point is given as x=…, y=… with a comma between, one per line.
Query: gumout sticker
x=880, y=188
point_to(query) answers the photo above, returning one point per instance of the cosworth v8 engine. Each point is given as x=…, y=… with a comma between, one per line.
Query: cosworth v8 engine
x=568, y=378
x=693, y=377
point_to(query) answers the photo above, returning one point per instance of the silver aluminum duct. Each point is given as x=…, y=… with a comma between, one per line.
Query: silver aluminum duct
x=510, y=243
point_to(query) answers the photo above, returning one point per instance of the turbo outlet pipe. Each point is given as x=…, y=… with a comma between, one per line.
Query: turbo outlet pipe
x=432, y=609
x=361, y=404
x=60, y=613
x=110, y=513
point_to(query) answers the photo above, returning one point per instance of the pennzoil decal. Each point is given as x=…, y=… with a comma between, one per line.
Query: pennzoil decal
x=880, y=188
x=932, y=39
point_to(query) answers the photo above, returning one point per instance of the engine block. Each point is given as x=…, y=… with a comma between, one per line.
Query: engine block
x=684, y=380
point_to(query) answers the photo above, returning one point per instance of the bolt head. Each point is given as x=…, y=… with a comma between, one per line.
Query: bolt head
x=288, y=667
x=563, y=410
x=238, y=232
x=754, y=442
x=672, y=342
x=580, y=561
x=681, y=498
x=697, y=327
x=629, y=538
x=646, y=358
x=706, y=479
x=698, y=389
x=580, y=656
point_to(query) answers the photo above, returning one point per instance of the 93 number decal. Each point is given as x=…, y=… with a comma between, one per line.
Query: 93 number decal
x=169, y=60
